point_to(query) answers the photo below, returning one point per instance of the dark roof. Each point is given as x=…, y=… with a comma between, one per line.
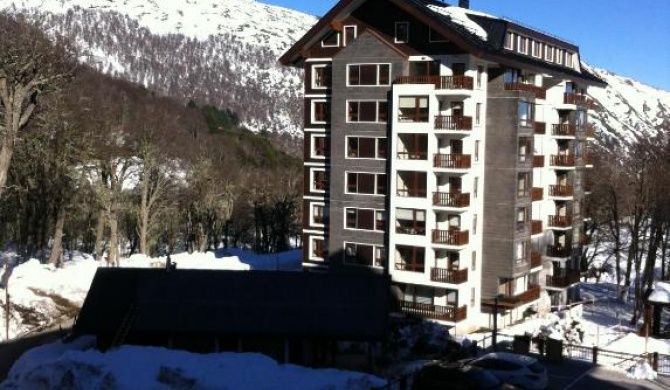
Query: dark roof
x=491, y=48
x=239, y=303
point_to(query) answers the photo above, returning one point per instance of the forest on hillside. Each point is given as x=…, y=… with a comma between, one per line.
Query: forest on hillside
x=102, y=165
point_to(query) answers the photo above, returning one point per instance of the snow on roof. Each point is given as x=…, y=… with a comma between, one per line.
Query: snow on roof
x=661, y=293
x=460, y=16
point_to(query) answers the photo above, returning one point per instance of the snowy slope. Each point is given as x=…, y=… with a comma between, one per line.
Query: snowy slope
x=225, y=52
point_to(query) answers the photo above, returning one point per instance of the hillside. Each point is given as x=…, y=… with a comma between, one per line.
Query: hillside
x=225, y=53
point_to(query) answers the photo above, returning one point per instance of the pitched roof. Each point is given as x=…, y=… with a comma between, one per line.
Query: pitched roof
x=254, y=303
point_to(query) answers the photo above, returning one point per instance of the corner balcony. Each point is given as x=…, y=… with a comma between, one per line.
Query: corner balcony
x=536, y=227
x=452, y=200
x=566, y=130
x=562, y=160
x=451, y=237
x=531, y=294
x=440, y=82
x=452, y=161
x=558, y=251
x=538, y=161
x=563, y=280
x=561, y=191
x=540, y=93
x=434, y=312
x=456, y=123
x=560, y=221
x=452, y=276
x=578, y=100
x=536, y=194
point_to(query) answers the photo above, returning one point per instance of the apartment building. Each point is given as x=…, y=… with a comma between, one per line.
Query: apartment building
x=450, y=149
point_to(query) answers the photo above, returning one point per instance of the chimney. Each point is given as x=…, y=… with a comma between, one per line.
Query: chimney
x=464, y=3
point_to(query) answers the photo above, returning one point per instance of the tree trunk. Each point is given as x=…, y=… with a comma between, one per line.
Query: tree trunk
x=144, y=216
x=202, y=241
x=57, y=247
x=99, y=235
x=113, y=237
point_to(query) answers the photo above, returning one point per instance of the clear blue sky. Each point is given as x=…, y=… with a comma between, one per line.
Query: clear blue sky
x=628, y=37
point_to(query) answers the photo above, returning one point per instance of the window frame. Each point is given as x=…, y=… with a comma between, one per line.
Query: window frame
x=377, y=262
x=375, y=219
x=312, y=214
x=415, y=221
x=376, y=148
x=417, y=109
x=522, y=44
x=344, y=33
x=339, y=41
x=395, y=35
x=378, y=110
x=509, y=40
x=312, y=180
x=313, y=111
x=377, y=182
x=313, y=143
x=378, y=72
x=313, y=81
x=312, y=247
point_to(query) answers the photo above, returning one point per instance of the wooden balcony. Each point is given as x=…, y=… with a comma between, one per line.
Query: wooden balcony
x=453, y=276
x=538, y=161
x=540, y=93
x=540, y=128
x=451, y=237
x=565, y=130
x=530, y=295
x=535, y=260
x=456, y=123
x=561, y=191
x=589, y=131
x=435, y=312
x=578, y=100
x=564, y=280
x=440, y=82
x=558, y=251
x=412, y=155
x=536, y=194
x=448, y=199
x=563, y=160
x=536, y=227
x=560, y=221
x=452, y=161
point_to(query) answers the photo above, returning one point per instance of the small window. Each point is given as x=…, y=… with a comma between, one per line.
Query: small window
x=320, y=111
x=521, y=251
x=474, y=224
x=537, y=49
x=525, y=149
x=401, y=32
x=472, y=296
x=473, y=265
x=522, y=46
x=549, y=53
x=331, y=40
x=526, y=114
x=569, y=59
x=350, y=34
x=475, y=186
x=318, y=214
x=509, y=40
x=477, y=144
x=523, y=184
x=319, y=182
x=521, y=218
x=560, y=54
x=321, y=76
x=480, y=75
x=319, y=148
x=478, y=114
x=317, y=248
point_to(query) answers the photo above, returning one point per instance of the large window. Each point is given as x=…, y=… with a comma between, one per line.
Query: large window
x=321, y=76
x=410, y=258
x=364, y=219
x=320, y=111
x=364, y=254
x=410, y=221
x=413, y=109
x=366, y=183
x=526, y=114
x=369, y=74
x=367, y=111
x=366, y=147
x=401, y=32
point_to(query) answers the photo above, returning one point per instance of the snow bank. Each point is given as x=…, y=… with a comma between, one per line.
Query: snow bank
x=634, y=344
x=642, y=371
x=131, y=367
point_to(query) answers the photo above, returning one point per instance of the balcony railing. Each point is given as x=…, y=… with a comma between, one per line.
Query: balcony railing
x=539, y=92
x=561, y=221
x=563, y=160
x=536, y=194
x=567, y=279
x=453, y=276
x=563, y=191
x=453, y=122
x=412, y=230
x=411, y=192
x=538, y=161
x=435, y=312
x=535, y=259
x=440, y=82
x=530, y=295
x=565, y=130
x=576, y=99
x=412, y=155
x=452, y=161
x=558, y=251
x=536, y=227
x=448, y=199
x=540, y=128
x=451, y=237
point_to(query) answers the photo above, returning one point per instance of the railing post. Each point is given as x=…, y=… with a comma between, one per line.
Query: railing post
x=654, y=361
x=595, y=355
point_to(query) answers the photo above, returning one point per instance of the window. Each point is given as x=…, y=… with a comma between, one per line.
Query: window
x=475, y=189
x=534, y=48
x=409, y=258
x=318, y=214
x=434, y=36
x=473, y=265
x=364, y=254
x=525, y=149
x=560, y=54
x=319, y=181
x=350, y=34
x=410, y=221
x=549, y=53
x=521, y=218
x=320, y=111
x=472, y=296
x=521, y=251
x=368, y=74
x=413, y=109
x=526, y=114
x=478, y=114
x=331, y=40
x=509, y=40
x=321, y=76
x=477, y=144
x=401, y=32
x=474, y=224
x=523, y=184
x=317, y=248
x=366, y=147
x=367, y=111
x=319, y=148
x=480, y=75
x=522, y=46
x=569, y=59
x=364, y=219
x=366, y=183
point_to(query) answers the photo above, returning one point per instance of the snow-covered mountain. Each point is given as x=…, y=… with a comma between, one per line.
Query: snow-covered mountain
x=224, y=52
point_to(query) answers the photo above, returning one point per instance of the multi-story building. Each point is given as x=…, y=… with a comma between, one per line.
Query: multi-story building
x=448, y=148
